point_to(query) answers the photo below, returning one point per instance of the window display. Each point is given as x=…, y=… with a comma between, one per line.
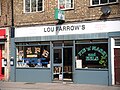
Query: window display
x=91, y=55
x=65, y=4
x=33, y=56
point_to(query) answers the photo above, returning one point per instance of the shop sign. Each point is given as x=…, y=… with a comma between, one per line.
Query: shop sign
x=59, y=14
x=94, y=53
x=68, y=29
x=93, y=48
x=65, y=28
x=2, y=33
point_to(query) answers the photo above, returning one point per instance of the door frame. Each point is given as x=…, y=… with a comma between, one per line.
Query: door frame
x=115, y=47
x=62, y=48
x=1, y=75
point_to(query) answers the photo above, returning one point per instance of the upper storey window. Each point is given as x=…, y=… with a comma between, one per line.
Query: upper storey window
x=33, y=5
x=100, y=2
x=65, y=4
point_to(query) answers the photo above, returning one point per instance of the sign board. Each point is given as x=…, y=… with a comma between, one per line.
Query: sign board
x=59, y=14
x=2, y=33
x=68, y=29
x=95, y=55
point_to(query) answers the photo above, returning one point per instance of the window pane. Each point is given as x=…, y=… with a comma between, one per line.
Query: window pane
x=57, y=56
x=61, y=4
x=103, y=1
x=91, y=55
x=40, y=4
x=33, y=5
x=94, y=2
x=27, y=5
x=69, y=3
x=112, y=0
x=33, y=56
x=117, y=42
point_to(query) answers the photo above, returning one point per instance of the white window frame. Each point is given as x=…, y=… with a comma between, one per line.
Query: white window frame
x=65, y=6
x=36, y=6
x=102, y=4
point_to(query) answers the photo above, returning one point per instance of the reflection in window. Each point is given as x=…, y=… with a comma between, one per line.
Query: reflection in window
x=57, y=56
x=27, y=5
x=91, y=55
x=40, y=4
x=99, y=2
x=61, y=4
x=33, y=5
x=95, y=2
x=112, y=0
x=103, y=1
x=33, y=56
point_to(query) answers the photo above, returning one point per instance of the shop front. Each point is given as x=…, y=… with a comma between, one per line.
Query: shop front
x=77, y=53
x=115, y=56
x=2, y=53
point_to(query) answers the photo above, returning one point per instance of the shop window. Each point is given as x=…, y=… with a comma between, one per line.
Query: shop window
x=33, y=5
x=65, y=4
x=91, y=55
x=100, y=2
x=33, y=56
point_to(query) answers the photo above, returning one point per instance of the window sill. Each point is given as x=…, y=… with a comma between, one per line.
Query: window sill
x=67, y=9
x=33, y=12
x=32, y=68
x=93, y=69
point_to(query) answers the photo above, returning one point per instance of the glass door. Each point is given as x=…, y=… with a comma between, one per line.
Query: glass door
x=67, y=64
x=62, y=64
x=57, y=65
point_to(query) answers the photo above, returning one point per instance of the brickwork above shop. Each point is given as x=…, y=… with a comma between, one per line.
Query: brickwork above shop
x=82, y=11
x=5, y=16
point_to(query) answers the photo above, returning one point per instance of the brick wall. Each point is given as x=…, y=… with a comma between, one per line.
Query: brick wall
x=5, y=18
x=82, y=11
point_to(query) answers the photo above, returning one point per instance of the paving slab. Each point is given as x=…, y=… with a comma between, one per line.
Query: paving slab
x=53, y=86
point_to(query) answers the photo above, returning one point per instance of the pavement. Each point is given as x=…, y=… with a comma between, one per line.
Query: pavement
x=53, y=86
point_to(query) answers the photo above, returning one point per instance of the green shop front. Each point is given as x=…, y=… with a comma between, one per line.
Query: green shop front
x=73, y=52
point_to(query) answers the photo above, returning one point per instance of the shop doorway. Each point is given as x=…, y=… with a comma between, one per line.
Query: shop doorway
x=117, y=65
x=1, y=68
x=62, y=64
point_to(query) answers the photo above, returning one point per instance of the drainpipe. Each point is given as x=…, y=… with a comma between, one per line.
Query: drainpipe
x=12, y=20
x=12, y=45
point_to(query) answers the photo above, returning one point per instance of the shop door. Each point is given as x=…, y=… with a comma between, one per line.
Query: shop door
x=117, y=65
x=1, y=69
x=62, y=64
